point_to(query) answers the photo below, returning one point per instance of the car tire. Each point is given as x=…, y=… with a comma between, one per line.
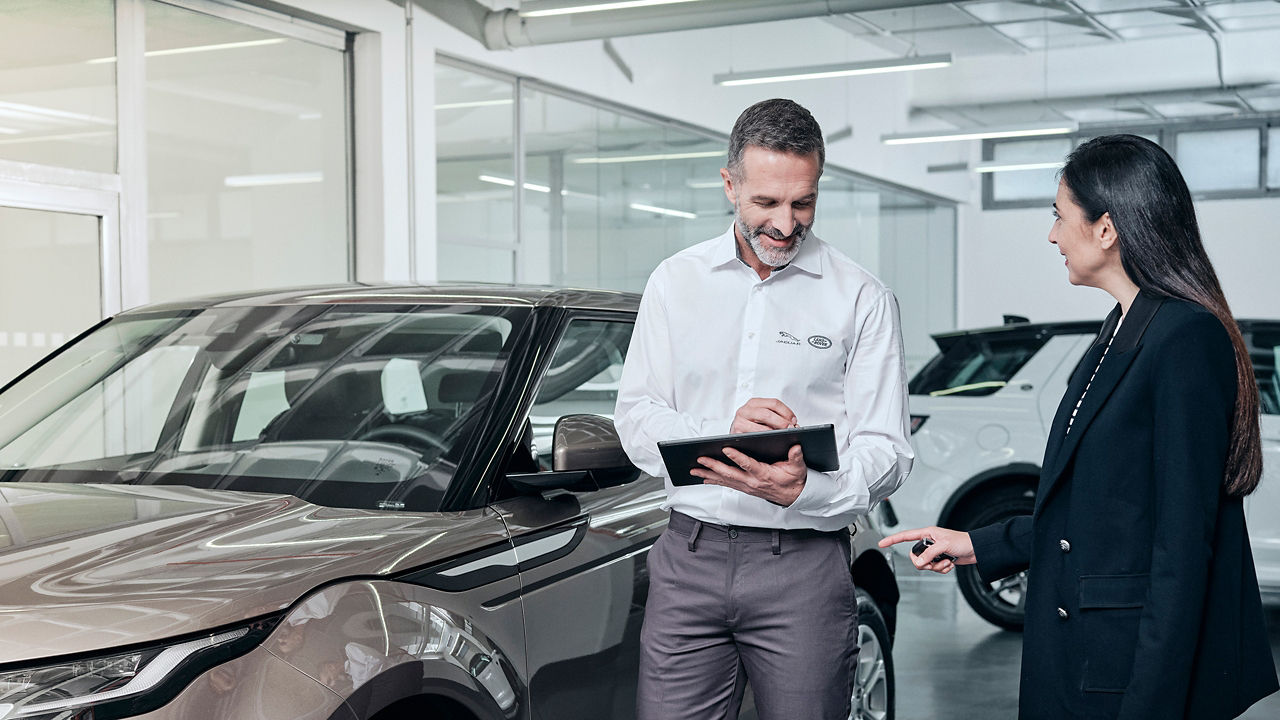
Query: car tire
x=1001, y=603
x=873, y=685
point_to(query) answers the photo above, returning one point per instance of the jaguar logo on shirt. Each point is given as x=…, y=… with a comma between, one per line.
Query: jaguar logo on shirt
x=787, y=338
x=822, y=342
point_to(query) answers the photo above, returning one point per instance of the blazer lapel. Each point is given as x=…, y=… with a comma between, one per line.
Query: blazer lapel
x=1062, y=444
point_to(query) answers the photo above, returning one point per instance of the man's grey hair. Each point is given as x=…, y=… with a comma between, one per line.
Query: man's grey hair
x=781, y=125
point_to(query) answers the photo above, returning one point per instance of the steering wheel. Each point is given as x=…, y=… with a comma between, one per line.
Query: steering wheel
x=403, y=434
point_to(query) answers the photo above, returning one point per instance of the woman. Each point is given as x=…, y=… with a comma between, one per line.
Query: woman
x=1142, y=598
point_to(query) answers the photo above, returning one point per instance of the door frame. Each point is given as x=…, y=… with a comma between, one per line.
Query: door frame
x=29, y=186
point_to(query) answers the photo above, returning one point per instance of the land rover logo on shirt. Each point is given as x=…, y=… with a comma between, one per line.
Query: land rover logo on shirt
x=787, y=338
x=821, y=342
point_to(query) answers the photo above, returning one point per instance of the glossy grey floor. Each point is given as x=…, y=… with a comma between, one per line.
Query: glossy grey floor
x=951, y=663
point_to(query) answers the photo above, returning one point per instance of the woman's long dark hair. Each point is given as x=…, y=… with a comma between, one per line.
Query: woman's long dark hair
x=1137, y=182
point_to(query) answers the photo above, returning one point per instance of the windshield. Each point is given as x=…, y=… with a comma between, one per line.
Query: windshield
x=339, y=406
x=978, y=364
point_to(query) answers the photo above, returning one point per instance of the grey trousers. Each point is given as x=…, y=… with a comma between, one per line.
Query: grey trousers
x=731, y=604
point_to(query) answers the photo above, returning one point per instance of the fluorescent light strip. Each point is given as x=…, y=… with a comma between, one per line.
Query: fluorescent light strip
x=299, y=178
x=474, y=104
x=664, y=211
x=980, y=133
x=817, y=72
x=507, y=182
x=9, y=131
x=1005, y=167
x=703, y=185
x=196, y=49
x=563, y=9
x=647, y=158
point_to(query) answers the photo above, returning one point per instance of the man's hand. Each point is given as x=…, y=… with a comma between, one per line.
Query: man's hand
x=779, y=483
x=949, y=542
x=763, y=414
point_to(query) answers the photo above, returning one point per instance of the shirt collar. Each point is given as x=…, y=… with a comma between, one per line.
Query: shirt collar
x=809, y=259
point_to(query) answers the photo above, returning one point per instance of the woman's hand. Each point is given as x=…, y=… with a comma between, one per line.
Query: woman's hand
x=945, y=542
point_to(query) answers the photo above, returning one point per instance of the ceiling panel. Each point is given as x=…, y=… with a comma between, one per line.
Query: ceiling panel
x=1105, y=115
x=999, y=12
x=913, y=19
x=1146, y=18
x=978, y=40
x=1051, y=28
x=1193, y=109
x=1100, y=6
x=1154, y=31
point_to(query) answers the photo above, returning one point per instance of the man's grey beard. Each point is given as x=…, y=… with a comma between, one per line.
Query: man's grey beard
x=773, y=257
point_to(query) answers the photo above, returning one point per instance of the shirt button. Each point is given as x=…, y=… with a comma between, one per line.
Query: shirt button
x=1062, y=613
x=746, y=385
x=733, y=533
x=1066, y=546
x=751, y=335
x=757, y=288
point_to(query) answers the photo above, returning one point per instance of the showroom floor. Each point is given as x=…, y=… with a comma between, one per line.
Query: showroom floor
x=952, y=664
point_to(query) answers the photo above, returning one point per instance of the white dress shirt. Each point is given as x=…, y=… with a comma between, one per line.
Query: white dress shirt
x=821, y=334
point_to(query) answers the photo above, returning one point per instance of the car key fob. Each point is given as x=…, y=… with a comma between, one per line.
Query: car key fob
x=920, y=546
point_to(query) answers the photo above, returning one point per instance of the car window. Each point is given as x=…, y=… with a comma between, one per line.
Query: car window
x=582, y=378
x=977, y=364
x=1264, y=351
x=359, y=407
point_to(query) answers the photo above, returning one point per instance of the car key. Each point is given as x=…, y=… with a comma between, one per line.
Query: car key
x=920, y=546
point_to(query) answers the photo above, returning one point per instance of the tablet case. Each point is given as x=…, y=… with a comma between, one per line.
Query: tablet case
x=818, y=442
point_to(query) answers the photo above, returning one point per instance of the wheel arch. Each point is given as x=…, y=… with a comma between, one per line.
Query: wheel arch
x=871, y=572
x=963, y=500
x=406, y=690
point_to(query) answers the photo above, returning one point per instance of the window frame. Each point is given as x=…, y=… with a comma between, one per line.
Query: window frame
x=1167, y=133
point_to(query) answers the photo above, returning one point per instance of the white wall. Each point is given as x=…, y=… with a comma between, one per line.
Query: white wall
x=1008, y=266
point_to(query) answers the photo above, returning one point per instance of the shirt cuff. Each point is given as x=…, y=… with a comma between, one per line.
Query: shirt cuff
x=818, y=490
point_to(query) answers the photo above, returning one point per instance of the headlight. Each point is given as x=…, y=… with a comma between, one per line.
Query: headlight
x=120, y=685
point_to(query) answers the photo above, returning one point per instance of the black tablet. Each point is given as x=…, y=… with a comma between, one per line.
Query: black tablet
x=818, y=442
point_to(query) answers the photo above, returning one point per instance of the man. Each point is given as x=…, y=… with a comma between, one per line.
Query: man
x=765, y=327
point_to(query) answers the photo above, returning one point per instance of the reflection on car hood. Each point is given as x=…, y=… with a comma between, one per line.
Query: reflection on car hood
x=88, y=567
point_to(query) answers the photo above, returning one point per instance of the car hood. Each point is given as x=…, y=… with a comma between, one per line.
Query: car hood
x=89, y=567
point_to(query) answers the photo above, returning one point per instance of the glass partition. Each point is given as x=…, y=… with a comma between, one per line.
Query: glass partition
x=246, y=155
x=608, y=193
x=50, y=286
x=475, y=176
x=58, y=83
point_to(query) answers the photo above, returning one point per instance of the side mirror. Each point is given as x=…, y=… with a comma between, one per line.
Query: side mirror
x=586, y=455
x=587, y=442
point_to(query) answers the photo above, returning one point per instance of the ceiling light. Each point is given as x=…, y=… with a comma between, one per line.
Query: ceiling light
x=196, y=49
x=816, y=72
x=547, y=8
x=298, y=178
x=991, y=167
x=647, y=158
x=703, y=184
x=1008, y=131
x=474, y=104
x=664, y=211
x=508, y=182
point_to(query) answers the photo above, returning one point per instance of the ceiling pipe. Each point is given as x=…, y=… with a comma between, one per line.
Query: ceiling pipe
x=506, y=29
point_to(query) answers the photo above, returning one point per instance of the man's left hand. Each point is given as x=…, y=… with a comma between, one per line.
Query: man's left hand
x=779, y=483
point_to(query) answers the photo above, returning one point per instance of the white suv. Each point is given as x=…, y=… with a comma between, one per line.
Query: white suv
x=980, y=414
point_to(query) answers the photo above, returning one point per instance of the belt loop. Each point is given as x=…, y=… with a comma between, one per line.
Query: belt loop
x=693, y=536
x=777, y=542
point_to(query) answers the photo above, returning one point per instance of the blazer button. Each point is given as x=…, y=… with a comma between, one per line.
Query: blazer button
x=733, y=533
x=1066, y=546
x=1062, y=613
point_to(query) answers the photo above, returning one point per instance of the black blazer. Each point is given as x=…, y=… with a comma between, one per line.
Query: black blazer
x=1142, y=599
